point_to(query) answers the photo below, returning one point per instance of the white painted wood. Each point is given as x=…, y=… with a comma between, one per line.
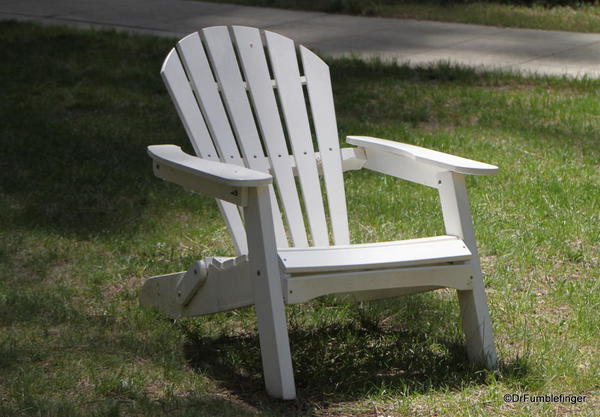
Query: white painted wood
x=401, y=166
x=235, y=225
x=270, y=310
x=191, y=282
x=198, y=69
x=370, y=295
x=159, y=292
x=284, y=64
x=224, y=289
x=320, y=95
x=223, y=192
x=179, y=89
x=254, y=65
x=226, y=70
x=431, y=239
x=177, y=84
x=225, y=262
x=228, y=286
x=221, y=173
x=353, y=159
x=304, y=288
x=274, y=82
x=390, y=255
x=440, y=159
x=473, y=304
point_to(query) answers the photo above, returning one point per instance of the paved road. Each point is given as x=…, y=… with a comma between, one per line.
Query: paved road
x=417, y=42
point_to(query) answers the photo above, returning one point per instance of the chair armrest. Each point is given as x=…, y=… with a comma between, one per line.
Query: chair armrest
x=220, y=180
x=233, y=175
x=424, y=155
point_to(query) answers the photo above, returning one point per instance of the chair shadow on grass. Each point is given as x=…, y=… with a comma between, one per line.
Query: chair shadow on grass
x=349, y=361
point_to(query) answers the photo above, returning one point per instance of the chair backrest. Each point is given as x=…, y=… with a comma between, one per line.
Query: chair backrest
x=230, y=86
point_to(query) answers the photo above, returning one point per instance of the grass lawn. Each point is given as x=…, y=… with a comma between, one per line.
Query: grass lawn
x=83, y=222
x=576, y=17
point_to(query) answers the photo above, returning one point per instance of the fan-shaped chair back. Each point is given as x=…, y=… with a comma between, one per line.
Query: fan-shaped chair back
x=254, y=99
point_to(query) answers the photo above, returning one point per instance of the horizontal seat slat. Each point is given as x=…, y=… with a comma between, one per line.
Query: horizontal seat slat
x=435, y=250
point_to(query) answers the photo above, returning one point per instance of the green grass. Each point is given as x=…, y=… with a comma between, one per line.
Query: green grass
x=84, y=222
x=566, y=15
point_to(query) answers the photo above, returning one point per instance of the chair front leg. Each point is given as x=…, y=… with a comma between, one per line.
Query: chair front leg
x=268, y=296
x=473, y=303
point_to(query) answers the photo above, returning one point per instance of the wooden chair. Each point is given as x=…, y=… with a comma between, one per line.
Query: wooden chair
x=230, y=85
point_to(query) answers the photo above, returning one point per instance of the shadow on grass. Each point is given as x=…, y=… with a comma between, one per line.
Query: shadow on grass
x=345, y=362
x=78, y=114
x=126, y=404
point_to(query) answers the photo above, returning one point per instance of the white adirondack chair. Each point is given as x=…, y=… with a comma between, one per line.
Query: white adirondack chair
x=229, y=85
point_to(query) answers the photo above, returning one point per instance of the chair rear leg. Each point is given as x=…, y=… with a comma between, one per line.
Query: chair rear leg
x=268, y=296
x=473, y=303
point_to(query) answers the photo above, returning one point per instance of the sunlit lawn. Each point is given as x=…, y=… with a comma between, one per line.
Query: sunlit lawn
x=83, y=222
x=574, y=16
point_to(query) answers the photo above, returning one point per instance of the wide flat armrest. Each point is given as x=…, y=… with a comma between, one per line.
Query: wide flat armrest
x=424, y=155
x=171, y=156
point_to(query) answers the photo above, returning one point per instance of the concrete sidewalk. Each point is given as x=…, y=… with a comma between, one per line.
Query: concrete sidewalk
x=417, y=42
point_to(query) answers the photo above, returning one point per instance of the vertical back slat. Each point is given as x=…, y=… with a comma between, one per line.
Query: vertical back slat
x=254, y=65
x=226, y=70
x=196, y=65
x=284, y=64
x=320, y=94
x=179, y=89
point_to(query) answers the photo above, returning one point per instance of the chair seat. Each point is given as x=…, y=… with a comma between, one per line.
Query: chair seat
x=396, y=254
